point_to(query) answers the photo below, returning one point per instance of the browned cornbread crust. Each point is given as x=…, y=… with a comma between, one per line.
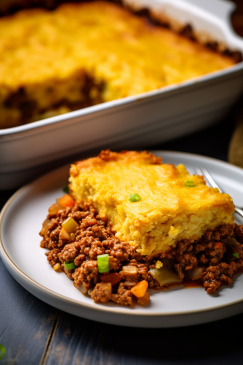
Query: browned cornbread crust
x=51, y=75
x=167, y=211
x=95, y=236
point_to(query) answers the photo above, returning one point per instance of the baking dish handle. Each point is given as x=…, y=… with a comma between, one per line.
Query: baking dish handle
x=222, y=10
x=219, y=8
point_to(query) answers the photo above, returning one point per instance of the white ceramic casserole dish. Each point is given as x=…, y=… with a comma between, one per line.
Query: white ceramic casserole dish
x=136, y=121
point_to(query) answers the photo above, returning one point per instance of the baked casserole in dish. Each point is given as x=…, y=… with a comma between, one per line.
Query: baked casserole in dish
x=130, y=122
x=50, y=65
x=131, y=223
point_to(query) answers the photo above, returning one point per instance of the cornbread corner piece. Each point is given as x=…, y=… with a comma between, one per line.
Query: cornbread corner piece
x=168, y=211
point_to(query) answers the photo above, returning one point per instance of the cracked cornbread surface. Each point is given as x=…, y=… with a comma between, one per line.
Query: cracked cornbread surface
x=82, y=54
x=168, y=211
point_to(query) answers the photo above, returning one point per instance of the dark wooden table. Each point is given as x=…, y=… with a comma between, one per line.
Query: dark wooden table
x=36, y=333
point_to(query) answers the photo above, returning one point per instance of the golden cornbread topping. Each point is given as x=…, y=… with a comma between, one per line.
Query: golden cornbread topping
x=50, y=65
x=170, y=209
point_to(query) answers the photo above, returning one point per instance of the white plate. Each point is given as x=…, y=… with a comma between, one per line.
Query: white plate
x=21, y=220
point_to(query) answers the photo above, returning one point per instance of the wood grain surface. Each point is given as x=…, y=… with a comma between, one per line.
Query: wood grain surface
x=36, y=333
x=80, y=341
x=25, y=322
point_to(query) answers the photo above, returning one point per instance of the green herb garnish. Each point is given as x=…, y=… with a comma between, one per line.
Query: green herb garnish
x=2, y=351
x=69, y=265
x=66, y=189
x=236, y=255
x=189, y=184
x=134, y=198
x=103, y=263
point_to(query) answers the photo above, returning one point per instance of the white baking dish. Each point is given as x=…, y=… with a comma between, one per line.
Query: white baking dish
x=137, y=121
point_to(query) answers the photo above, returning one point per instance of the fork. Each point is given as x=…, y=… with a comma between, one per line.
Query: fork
x=204, y=172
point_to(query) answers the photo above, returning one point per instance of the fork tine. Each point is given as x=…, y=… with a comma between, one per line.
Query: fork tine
x=199, y=171
x=210, y=179
x=204, y=172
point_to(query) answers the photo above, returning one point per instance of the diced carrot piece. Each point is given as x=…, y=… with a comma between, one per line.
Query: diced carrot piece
x=218, y=245
x=113, y=278
x=64, y=235
x=66, y=201
x=144, y=300
x=140, y=289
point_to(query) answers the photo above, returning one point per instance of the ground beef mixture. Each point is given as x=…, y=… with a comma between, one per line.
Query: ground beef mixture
x=211, y=260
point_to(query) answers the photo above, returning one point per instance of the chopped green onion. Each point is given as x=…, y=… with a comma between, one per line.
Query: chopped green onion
x=134, y=198
x=66, y=189
x=103, y=263
x=236, y=255
x=2, y=351
x=69, y=265
x=189, y=184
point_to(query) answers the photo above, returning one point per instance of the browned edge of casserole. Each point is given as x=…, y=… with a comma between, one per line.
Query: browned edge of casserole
x=28, y=107
x=186, y=30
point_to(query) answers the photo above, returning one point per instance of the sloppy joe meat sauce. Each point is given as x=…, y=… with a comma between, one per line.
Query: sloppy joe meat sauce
x=95, y=236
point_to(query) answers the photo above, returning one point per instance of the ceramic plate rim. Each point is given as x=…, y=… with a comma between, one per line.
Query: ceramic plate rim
x=94, y=306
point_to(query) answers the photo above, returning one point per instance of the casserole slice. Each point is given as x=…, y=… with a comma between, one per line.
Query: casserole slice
x=151, y=205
